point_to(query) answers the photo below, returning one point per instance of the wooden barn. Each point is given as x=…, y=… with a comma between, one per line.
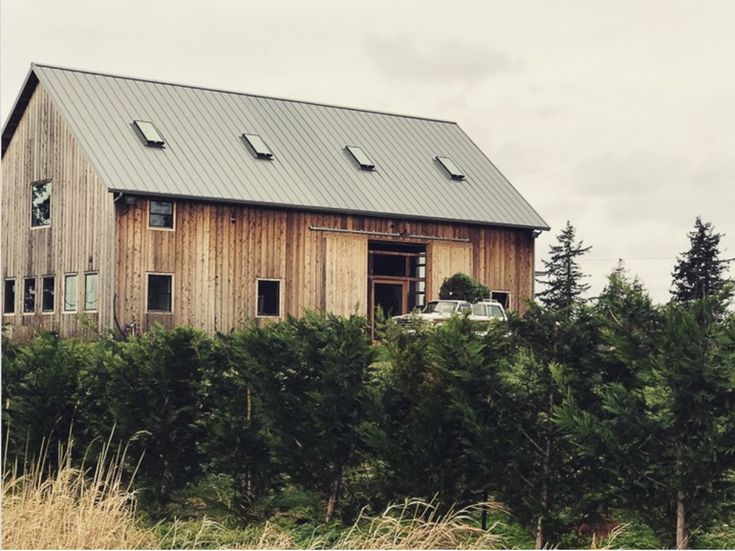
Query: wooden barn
x=128, y=202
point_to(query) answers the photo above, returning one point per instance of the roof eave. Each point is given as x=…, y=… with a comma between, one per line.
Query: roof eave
x=311, y=208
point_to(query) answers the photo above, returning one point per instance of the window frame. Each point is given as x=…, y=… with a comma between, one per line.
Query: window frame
x=35, y=297
x=280, y=298
x=64, y=309
x=15, y=295
x=147, y=284
x=53, y=294
x=508, y=299
x=173, y=215
x=44, y=182
x=157, y=144
x=84, y=301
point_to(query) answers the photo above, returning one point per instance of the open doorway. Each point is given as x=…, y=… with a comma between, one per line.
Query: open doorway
x=396, y=277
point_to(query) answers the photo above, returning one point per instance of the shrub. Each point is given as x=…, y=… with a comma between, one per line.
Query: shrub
x=462, y=287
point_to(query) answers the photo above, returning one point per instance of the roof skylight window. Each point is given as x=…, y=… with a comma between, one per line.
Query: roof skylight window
x=257, y=145
x=451, y=168
x=362, y=159
x=150, y=134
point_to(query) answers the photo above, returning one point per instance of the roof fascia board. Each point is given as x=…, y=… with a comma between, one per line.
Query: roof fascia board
x=19, y=107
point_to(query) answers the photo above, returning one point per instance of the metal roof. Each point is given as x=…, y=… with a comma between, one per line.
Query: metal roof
x=205, y=156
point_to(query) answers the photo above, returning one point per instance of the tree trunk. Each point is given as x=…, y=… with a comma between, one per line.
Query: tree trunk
x=682, y=539
x=484, y=510
x=334, y=489
x=540, y=532
x=545, y=472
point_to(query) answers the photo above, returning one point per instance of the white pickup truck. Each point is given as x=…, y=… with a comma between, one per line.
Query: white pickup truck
x=439, y=311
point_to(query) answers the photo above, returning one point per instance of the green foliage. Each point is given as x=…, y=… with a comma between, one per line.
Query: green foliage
x=462, y=287
x=699, y=272
x=311, y=393
x=564, y=286
x=153, y=393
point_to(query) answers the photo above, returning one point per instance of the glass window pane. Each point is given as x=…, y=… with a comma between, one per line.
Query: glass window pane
x=29, y=296
x=161, y=214
x=41, y=204
x=48, y=291
x=269, y=299
x=159, y=293
x=9, y=300
x=150, y=134
x=90, y=291
x=451, y=168
x=256, y=143
x=362, y=159
x=70, y=293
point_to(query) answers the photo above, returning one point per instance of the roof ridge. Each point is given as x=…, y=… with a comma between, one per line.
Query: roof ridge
x=235, y=92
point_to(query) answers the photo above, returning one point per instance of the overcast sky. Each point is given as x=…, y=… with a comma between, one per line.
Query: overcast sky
x=618, y=116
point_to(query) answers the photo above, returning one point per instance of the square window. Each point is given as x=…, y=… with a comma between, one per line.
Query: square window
x=161, y=214
x=70, y=293
x=48, y=286
x=159, y=292
x=9, y=297
x=90, y=292
x=29, y=296
x=269, y=297
x=41, y=204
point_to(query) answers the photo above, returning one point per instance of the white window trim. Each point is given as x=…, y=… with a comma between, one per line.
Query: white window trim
x=52, y=311
x=280, y=297
x=84, y=298
x=50, y=207
x=145, y=298
x=23, y=298
x=15, y=297
x=63, y=298
x=173, y=216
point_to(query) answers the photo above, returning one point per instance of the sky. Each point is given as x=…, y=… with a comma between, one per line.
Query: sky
x=618, y=116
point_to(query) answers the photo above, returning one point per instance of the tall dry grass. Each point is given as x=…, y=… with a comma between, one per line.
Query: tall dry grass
x=70, y=508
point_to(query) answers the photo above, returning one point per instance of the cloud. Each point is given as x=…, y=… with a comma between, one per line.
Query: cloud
x=437, y=61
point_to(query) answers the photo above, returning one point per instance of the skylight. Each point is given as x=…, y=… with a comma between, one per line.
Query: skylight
x=451, y=168
x=359, y=156
x=151, y=136
x=258, y=146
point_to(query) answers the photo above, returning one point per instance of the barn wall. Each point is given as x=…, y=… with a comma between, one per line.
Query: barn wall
x=80, y=237
x=216, y=252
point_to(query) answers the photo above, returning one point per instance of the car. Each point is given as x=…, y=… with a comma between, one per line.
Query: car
x=439, y=311
x=436, y=311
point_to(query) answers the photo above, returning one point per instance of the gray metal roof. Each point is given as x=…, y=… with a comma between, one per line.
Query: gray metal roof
x=206, y=158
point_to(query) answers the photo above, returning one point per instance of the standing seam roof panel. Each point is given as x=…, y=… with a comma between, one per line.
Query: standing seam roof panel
x=206, y=158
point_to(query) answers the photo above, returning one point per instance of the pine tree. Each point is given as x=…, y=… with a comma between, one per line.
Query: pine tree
x=699, y=272
x=564, y=284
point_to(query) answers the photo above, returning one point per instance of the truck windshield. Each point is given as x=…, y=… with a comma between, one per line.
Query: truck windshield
x=440, y=307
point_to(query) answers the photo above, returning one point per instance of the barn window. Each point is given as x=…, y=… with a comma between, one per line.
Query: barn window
x=503, y=297
x=160, y=296
x=151, y=136
x=9, y=297
x=450, y=167
x=269, y=298
x=48, y=287
x=29, y=295
x=161, y=214
x=70, y=293
x=90, y=292
x=41, y=204
x=362, y=159
x=258, y=146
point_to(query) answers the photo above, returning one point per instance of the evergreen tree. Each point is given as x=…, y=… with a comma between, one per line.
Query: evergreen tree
x=564, y=285
x=699, y=272
x=664, y=429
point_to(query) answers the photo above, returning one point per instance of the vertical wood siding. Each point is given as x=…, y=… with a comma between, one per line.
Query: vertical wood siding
x=217, y=252
x=80, y=236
